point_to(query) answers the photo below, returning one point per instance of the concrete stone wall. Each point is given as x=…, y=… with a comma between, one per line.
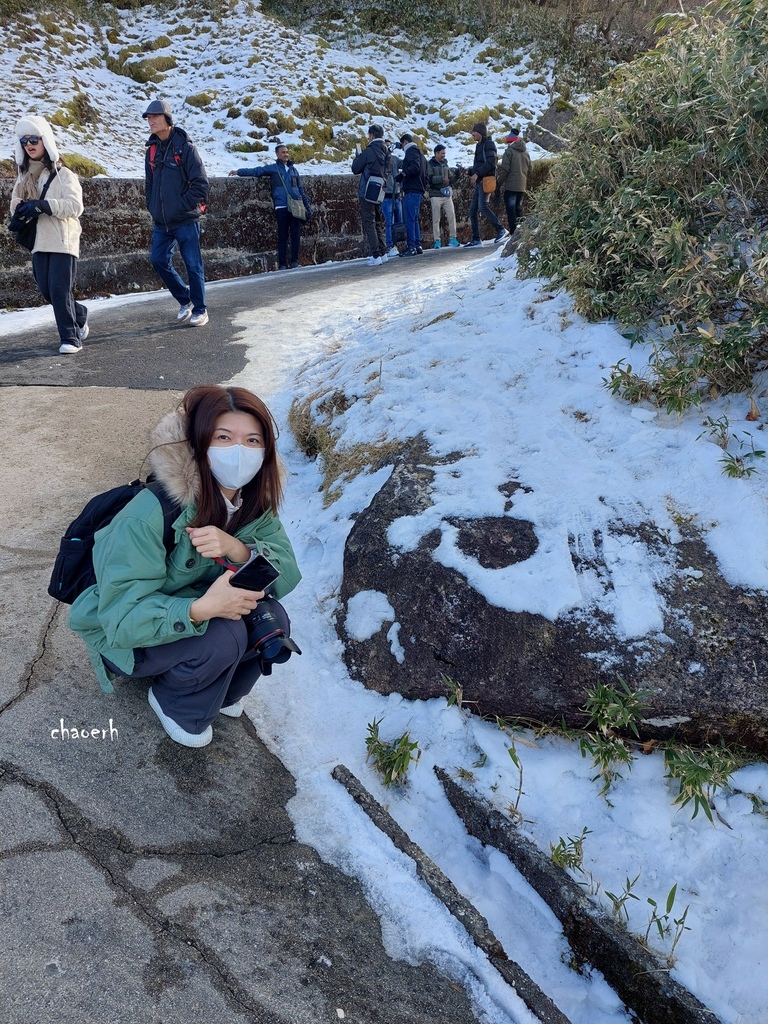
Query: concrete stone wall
x=239, y=234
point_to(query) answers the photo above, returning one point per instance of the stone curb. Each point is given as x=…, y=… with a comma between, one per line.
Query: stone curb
x=631, y=970
x=537, y=1001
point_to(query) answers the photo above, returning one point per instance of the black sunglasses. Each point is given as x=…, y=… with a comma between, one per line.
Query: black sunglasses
x=29, y=140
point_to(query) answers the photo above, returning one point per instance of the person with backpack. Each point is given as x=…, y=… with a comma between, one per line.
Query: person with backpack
x=483, y=169
x=176, y=188
x=441, y=196
x=174, y=616
x=373, y=163
x=284, y=182
x=47, y=192
x=413, y=174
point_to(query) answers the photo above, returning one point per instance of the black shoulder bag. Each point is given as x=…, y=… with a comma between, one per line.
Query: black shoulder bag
x=24, y=229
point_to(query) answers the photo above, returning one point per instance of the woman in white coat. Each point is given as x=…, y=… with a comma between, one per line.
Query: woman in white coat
x=49, y=191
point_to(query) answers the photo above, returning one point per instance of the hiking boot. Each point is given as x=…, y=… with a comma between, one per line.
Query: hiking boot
x=501, y=234
x=419, y=250
x=83, y=332
x=185, y=312
x=198, y=319
x=437, y=245
x=232, y=710
x=174, y=730
x=472, y=244
x=374, y=261
x=454, y=242
x=68, y=347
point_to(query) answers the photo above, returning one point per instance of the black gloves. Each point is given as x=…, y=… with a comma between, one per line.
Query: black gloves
x=33, y=208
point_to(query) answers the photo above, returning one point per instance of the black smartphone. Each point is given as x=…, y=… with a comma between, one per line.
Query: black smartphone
x=256, y=574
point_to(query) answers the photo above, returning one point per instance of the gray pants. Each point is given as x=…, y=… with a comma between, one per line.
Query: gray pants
x=373, y=227
x=197, y=676
x=443, y=203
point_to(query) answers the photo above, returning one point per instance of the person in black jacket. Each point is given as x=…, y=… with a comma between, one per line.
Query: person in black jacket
x=283, y=178
x=413, y=174
x=373, y=161
x=483, y=166
x=176, y=192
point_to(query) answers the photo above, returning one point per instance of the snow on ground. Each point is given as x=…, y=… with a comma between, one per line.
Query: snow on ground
x=248, y=62
x=506, y=372
x=513, y=378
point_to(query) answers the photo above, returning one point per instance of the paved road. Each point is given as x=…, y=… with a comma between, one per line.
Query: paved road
x=141, y=346
x=141, y=881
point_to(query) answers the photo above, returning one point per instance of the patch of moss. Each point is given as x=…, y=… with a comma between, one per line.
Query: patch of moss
x=321, y=107
x=254, y=146
x=201, y=100
x=77, y=112
x=396, y=105
x=258, y=117
x=319, y=134
x=219, y=125
x=83, y=166
x=233, y=111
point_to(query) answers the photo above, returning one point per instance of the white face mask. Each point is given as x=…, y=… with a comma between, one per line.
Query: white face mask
x=236, y=465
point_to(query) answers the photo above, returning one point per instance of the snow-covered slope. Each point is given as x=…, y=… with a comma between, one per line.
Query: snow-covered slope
x=246, y=80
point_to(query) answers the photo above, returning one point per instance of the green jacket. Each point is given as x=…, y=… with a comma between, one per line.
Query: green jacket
x=142, y=599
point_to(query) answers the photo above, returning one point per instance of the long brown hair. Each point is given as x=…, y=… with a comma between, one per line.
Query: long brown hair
x=202, y=406
x=28, y=184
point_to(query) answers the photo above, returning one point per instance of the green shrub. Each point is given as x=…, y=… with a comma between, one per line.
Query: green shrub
x=252, y=146
x=200, y=100
x=258, y=117
x=233, y=111
x=656, y=220
x=77, y=112
x=82, y=165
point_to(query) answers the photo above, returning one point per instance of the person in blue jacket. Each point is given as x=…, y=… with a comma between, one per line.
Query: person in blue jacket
x=176, y=188
x=283, y=178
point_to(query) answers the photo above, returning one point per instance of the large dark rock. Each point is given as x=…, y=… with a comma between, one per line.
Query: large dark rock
x=707, y=671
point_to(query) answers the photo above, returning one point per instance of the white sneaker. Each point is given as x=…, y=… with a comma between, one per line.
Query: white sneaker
x=198, y=319
x=67, y=347
x=384, y=258
x=174, y=730
x=374, y=261
x=232, y=710
x=394, y=251
x=185, y=312
x=83, y=332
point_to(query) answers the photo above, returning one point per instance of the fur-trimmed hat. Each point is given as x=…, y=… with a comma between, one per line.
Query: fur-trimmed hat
x=35, y=125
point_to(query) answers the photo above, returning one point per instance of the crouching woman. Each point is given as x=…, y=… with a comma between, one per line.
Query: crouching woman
x=175, y=616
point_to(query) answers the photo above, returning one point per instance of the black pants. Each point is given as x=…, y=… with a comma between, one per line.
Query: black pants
x=373, y=227
x=54, y=274
x=287, y=224
x=513, y=201
x=197, y=676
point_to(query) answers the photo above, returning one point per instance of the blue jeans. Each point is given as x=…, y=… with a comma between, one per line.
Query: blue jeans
x=411, y=204
x=479, y=205
x=393, y=212
x=164, y=243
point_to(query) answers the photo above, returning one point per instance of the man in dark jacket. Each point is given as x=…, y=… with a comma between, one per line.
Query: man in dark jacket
x=413, y=174
x=176, y=192
x=284, y=180
x=440, y=195
x=483, y=166
x=373, y=161
x=513, y=176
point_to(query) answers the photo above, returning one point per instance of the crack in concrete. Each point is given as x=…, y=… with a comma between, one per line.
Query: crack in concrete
x=99, y=846
x=27, y=680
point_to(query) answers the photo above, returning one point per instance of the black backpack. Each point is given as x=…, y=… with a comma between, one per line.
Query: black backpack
x=73, y=569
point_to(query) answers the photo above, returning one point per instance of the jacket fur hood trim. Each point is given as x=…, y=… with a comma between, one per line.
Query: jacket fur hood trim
x=173, y=463
x=34, y=125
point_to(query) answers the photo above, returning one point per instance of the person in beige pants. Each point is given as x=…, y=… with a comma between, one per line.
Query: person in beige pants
x=440, y=196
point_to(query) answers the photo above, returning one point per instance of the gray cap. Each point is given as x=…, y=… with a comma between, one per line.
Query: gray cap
x=158, y=107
